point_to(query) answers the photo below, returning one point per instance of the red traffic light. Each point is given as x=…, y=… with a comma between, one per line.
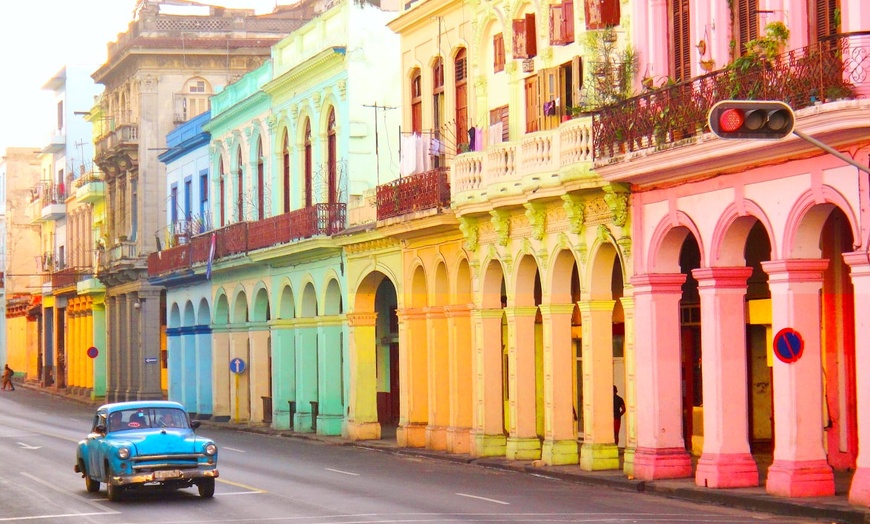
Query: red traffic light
x=751, y=119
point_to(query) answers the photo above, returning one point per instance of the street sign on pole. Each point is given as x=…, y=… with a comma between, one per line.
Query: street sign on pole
x=788, y=345
x=237, y=365
x=93, y=352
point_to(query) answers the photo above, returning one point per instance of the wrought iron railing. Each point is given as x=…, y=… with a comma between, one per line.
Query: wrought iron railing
x=834, y=68
x=429, y=190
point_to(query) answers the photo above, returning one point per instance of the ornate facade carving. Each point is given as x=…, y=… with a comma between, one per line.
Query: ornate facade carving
x=576, y=212
x=501, y=223
x=537, y=215
x=471, y=232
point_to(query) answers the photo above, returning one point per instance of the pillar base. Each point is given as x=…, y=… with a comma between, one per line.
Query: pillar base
x=726, y=470
x=458, y=440
x=488, y=445
x=411, y=435
x=800, y=478
x=628, y=462
x=859, y=491
x=523, y=448
x=559, y=452
x=599, y=457
x=661, y=463
x=436, y=438
x=362, y=430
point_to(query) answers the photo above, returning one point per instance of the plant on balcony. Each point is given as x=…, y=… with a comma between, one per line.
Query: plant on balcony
x=746, y=79
x=612, y=74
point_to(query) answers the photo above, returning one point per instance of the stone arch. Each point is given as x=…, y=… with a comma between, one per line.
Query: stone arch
x=308, y=307
x=560, y=275
x=604, y=256
x=222, y=309
x=732, y=230
x=440, y=284
x=286, y=302
x=240, y=307
x=492, y=287
x=332, y=302
x=807, y=218
x=463, y=289
x=260, y=311
x=189, y=314
x=174, y=316
x=419, y=295
x=526, y=274
x=203, y=313
x=667, y=242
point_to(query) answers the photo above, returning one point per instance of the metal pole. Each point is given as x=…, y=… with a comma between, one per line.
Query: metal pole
x=831, y=150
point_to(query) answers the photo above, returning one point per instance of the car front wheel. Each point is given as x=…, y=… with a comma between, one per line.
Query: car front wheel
x=92, y=485
x=112, y=492
x=205, y=487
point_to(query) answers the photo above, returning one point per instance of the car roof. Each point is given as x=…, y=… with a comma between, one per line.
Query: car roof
x=140, y=404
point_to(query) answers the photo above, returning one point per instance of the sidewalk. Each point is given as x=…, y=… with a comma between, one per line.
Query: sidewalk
x=834, y=509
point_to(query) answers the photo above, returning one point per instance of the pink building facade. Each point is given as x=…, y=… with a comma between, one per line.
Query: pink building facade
x=734, y=241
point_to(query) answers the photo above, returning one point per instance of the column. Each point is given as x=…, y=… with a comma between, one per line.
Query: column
x=800, y=467
x=488, y=417
x=859, y=491
x=630, y=387
x=460, y=378
x=438, y=415
x=560, y=441
x=413, y=378
x=661, y=451
x=362, y=409
x=599, y=451
x=726, y=461
x=221, y=372
x=258, y=370
x=523, y=442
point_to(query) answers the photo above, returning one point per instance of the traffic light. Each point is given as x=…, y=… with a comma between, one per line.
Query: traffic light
x=742, y=119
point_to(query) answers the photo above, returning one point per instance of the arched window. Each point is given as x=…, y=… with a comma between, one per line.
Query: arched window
x=309, y=166
x=331, y=160
x=240, y=183
x=260, y=179
x=192, y=100
x=461, y=90
x=416, y=102
x=438, y=108
x=286, y=170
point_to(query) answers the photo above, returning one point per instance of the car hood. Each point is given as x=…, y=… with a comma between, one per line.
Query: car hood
x=159, y=442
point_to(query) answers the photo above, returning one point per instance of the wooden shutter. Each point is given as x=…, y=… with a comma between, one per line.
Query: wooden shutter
x=568, y=20
x=601, y=14
x=824, y=24
x=533, y=106
x=531, y=36
x=520, y=39
x=681, y=61
x=549, y=82
x=557, y=36
x=746, y=20
x=498, y=53
x=576, y=79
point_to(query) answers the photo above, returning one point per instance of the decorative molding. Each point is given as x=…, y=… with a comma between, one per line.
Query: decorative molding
x=471, y=232
x=537, y=215
x=501, y=223
x=616, y=198
x=576, y=212
x=342, y=89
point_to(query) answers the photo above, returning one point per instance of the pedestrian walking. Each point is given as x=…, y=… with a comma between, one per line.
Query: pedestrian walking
x=618, y=411
x=7, y=378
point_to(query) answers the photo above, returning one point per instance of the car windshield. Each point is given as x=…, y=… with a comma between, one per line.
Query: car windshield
x=140, y=418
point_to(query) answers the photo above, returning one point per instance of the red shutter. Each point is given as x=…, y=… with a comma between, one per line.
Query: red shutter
x=568, y=20
x=531, y=36
x=681, y=66
x=746, y=19
x=520, y=39
x=601, y=14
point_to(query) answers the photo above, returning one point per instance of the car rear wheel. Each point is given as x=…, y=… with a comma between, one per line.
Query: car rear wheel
x=205, y=487
x=92, y=485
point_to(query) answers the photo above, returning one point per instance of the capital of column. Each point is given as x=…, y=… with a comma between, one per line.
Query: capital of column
x=406, y=314
x=591, y=306
x=795, y=270
x=458, y=310
x=722, y=277
x=362, y=319
x=658, y=283
x=557, y=309
x=859, y=261
x=487, y=313
x=520, y=311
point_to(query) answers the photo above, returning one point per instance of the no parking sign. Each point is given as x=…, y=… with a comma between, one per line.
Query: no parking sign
x=788, y=345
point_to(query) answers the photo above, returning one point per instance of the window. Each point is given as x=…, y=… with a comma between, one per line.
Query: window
x=309, y=166
x=187, y=198
x=533, y=107
x=60, y=115
x=745, y=15
x=555, y=89
x=601, y=14
x=680, y=50
x=203, y=198
x=173, y=203
x=286, y=155
x=525, y=38
x=192, y=100
x=461, y=95
x=222, y=192
x=438, y=107
x=240, y=183
x=331, y=161
x=498, y=53
x=260, y=181
x=562, y=23
x=197, y=86
x=416, y=102
x=499, y=118
x=823, y=18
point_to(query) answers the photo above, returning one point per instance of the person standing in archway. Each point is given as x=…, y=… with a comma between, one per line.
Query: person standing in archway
x=618, y=411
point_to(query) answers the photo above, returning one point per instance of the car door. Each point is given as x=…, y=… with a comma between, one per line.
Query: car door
x=93, y=447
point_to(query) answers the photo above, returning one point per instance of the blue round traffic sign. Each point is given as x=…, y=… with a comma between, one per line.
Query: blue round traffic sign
x=93, y=352
x=788, y=345
x=237, y=365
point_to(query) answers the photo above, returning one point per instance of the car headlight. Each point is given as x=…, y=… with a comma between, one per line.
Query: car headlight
x=124, y=453
x=210, y=448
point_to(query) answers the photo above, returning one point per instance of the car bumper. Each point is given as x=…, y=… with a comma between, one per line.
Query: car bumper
x=158, y=476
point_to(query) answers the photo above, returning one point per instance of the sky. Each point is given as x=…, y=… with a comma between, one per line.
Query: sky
x=40, y=37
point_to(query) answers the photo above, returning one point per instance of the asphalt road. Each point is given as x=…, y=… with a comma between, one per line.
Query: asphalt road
x=267, y=478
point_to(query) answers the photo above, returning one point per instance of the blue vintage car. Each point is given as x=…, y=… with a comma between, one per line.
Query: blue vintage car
x=143, y=443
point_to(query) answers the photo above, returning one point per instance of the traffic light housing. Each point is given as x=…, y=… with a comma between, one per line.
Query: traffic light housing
x=751, y=119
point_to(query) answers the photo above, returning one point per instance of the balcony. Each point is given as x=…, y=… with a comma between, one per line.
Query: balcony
x=56, y=142
x=833, y=69
x=117, y=150
x=53, y=202
x=244, y=237
x=64, y=278
x=90, y=187
x=419, y=192
x=521, y=167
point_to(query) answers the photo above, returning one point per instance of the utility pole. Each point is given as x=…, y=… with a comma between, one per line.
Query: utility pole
x=377, y=157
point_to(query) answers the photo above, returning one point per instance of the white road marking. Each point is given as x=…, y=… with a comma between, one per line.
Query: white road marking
x=484, y=498
x=58, y=516
x=27, y=446
x=258, y=492
x=342, y=472
x=233, y=449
